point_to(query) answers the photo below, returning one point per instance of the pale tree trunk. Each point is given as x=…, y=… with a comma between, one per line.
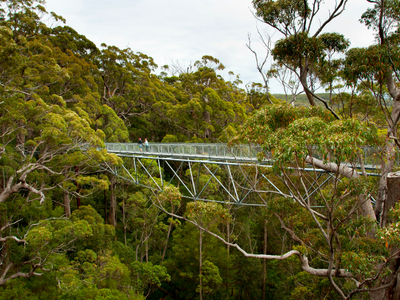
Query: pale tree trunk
x=124, y=220
x=78, y=189
x=393, y=196
x=228, y=234
x=387, y=163
x=166, y=242
x=264, y=260
x=365, y=203
x=147, y=250
x=393, y=182
x=200, y=264
x=381, y=206
x=207, y=132
x=67, y=204
x=393, y=280
x=303, y=81
x=388, y=191
x=113, y=204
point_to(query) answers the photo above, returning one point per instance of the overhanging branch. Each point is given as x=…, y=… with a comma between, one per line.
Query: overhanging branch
x=303, y=259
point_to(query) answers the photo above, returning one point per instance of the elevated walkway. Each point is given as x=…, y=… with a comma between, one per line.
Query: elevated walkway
x=210, y=152
x=210, y=172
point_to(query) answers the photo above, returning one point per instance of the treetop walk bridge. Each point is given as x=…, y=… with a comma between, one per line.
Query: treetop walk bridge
x=208, y=172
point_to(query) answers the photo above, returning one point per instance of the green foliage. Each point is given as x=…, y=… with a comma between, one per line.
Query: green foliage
x=169, y=138
x=210, y=277
x=92, y=276
x=205, y=103
x=390, y=234
x=207, y=214
x=291, y=134
x=307, y=287
x=17, y=289
x=102, y=234
x=148, y=277
x=183, y=261
x=170, y=198
x=281, y=12
x=365, y=64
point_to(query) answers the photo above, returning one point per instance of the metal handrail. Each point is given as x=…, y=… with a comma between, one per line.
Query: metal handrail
x=215, y=151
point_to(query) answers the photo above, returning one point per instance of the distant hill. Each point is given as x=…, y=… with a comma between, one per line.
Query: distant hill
x=301, y=100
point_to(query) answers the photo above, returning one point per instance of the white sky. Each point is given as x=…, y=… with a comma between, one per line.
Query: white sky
x=184, y=30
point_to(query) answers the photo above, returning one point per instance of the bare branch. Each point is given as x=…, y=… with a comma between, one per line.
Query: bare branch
x=303, y=259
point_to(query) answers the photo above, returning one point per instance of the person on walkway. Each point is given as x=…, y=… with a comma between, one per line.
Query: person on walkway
x=140, y=142
x=146, y=144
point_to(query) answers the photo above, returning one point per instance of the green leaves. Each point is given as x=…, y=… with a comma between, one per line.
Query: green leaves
x=170, y=198
x=102, y=234
x=367, y=64
x=290, y=134
x=390, y=235
x=205, y=103
x=207, y=214
x=282, y=13
x=147, y=276
x=211, y=278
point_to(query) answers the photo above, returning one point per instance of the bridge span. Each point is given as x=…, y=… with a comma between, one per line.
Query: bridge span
x=207, y=172
x=211, y=152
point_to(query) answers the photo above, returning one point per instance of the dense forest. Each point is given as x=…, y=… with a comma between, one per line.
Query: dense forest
x=71, y=230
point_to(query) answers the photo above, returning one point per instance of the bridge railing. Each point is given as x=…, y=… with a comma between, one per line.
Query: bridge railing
x=214, y=150
x=371, y=156
x=219, y=151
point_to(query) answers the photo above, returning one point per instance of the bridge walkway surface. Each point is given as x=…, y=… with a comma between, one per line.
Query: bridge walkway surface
x=199, y=168
x=211, y=152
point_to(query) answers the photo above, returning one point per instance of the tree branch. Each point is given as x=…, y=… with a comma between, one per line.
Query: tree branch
x=303, y=259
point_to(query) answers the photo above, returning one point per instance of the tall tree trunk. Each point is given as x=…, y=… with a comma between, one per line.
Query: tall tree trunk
x=78, y=190
x=381, y=206
x=303, y=81
x=201, y=264
x=207, y=115
x=166, y=242
x=393, y=182
x=365, y=203
x=105, y=205
x=147, y=250
x=264, y=260
x=124, y=220
x=388, y=190
x=113, y=204
x=228, y=235
x=67, y=204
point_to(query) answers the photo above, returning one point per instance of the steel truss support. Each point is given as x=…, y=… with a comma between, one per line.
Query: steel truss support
x=196, y=177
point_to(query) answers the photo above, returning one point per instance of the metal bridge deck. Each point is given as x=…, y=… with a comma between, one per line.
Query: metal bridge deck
x=146, y=166
x=211, y=152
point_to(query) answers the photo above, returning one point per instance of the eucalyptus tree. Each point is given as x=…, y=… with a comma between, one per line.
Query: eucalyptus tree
x=304, y=44
x=384, y=18
x=334, y=226
x=128, y=85
x=206, y=104
x=43, y=141
x=197, y=260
